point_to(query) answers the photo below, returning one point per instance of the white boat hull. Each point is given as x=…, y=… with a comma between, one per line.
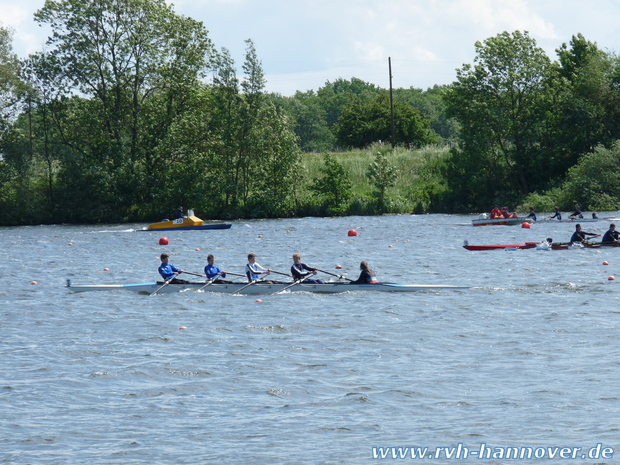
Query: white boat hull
x=500, y=221
x=261, y=288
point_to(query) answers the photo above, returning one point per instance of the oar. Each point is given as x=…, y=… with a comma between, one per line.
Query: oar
x=236, y=274
x=291, y=285
x=194, y=274
x=247, y=285
x=283, y=274
x=164, y=285
x=208, y=284
x=336, y=275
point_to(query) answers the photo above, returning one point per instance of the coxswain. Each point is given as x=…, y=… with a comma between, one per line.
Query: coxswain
x=367, y=276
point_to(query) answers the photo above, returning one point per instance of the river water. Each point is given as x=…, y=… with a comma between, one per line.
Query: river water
x=528, y=357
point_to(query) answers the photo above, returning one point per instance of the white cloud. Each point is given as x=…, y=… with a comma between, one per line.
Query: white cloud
x=304, y=43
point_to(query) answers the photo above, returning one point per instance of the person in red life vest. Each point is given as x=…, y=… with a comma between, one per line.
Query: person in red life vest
x=496, y=213
x=367, y=276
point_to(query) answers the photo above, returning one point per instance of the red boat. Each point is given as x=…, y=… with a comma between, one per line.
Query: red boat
x=527, y=245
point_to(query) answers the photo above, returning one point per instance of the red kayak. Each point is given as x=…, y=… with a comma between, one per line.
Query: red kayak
x=527, y=245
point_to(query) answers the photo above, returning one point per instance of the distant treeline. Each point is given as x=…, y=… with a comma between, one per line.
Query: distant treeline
x=132, y=111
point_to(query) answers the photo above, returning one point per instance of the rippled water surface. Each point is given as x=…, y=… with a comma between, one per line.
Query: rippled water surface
x=529, y=356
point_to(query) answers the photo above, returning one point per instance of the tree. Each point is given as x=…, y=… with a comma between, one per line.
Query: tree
x=585, y=111
x=500, y=102
x=383, y=175
x=362, y=124
x=133, y=63
x=594, y=182
x=309, y=120
x=334, y=187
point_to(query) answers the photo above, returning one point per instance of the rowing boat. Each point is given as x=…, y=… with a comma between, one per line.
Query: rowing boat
x=526, y=245
x=189, y=222
x=544, y=245
x=483, y=221
x=262, y=288
x=579, y=245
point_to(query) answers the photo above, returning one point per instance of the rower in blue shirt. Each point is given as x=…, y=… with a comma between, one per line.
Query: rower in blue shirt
x=169, y=271
x=212, y=272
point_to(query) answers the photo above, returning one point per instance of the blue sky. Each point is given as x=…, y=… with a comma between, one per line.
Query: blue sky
x=304, y=43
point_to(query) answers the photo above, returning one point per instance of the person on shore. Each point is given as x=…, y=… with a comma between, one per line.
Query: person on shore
x=367, y=276
x=168, y=271
x=253, y=270
x=611, y=235
x=302, y=271
x=581, y=236
x=557, y=215
x=213, y=273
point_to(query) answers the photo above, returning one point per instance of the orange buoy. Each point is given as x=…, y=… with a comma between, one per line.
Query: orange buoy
x=106, y=269
x=611, y=278
x=163, y=241
x=183, y=327
x=352, y=232
x=525, y=225
x=258, y=300
x=605, y=263
x=197, y=250
x=33, y=282
x=338, y=267
x=390, y=246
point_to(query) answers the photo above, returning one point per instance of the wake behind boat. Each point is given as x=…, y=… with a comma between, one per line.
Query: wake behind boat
x=261, y=288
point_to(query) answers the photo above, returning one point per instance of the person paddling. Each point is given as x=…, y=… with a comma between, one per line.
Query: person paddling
x=581, y=236
x=367, y=276
x=302, y=271
x=253, y=269
x=577, y=214
x=169, y=271
x=611, y=235
x=213, y=273
x=557, y=215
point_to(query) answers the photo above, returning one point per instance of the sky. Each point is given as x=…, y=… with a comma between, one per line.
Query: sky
x=303, y=44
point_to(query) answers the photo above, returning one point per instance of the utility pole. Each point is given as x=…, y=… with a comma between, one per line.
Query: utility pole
x=391, y=103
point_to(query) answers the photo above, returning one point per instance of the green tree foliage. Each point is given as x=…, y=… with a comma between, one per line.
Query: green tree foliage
x=133, y=62
x=362, y=124
x=335, y=96
x=309, y=120
x=383, y=175
x=333, y=187
x=594, y=182
x=235, y=153
x=585, y=109
x=11, y=85
x=430, y=103
x=499, y=103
